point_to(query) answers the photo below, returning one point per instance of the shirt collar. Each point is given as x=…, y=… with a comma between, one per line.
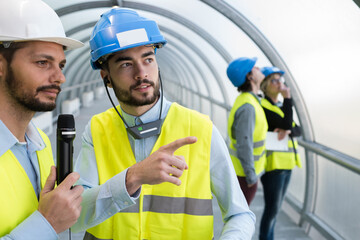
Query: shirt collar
x=34, y=136
x=151, y=115
x=8, y=140
x=257, y=97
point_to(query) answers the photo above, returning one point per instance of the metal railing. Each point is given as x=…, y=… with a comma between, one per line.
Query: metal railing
x=341, y=160
x=337, y=157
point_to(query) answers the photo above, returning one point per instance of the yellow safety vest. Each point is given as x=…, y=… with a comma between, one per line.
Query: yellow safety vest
x=163, y=211
x=259, y=134
x=18, y=199
x=286, y=159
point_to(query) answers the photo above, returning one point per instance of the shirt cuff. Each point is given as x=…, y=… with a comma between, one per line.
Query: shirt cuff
x=119, y=192
x=288, y=101
x=35, y=226
x=251, y=177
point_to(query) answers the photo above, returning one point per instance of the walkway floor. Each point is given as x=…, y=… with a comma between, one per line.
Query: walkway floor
x=285, y=228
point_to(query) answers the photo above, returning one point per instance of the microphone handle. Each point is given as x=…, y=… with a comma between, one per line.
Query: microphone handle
x=64, y=159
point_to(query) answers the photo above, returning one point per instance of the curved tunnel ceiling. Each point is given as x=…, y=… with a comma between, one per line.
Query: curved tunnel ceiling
x=213, y=77
x=223, y=8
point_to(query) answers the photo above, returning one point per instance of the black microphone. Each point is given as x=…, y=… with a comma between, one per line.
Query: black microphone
x=65, y=135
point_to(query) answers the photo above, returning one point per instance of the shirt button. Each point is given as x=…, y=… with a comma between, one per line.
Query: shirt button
x=126, y=203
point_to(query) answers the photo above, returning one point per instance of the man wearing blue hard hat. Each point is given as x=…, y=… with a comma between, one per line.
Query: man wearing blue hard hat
x=32, y=43
x=151, y=166
x=247, y=125
x=279, y=115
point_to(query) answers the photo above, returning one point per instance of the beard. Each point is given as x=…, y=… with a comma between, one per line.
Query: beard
x=27, y=99
x=126, y=97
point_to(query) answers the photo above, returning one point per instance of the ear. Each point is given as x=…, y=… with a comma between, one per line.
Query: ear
x=105, y=77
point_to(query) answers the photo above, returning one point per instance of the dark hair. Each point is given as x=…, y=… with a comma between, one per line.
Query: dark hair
x=105, y=66
x=246, y=86
x=104, y=61
x=8, y=53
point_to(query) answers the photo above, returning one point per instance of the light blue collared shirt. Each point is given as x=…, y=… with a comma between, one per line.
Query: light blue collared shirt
x=35, y=225
x=101, y=202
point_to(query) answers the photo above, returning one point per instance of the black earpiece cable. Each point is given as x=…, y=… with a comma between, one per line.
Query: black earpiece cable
x=162, y=95
x=107, y=91
x=127, y=126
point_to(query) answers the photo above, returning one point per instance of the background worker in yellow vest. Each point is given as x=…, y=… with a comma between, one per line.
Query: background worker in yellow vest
x=32, y=42
x=247, y=125
x=151, y=166
x=279, y=116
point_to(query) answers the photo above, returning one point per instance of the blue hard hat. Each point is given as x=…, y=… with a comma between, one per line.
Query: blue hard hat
x=239, y=68
x=270, y=70
x=119, y=29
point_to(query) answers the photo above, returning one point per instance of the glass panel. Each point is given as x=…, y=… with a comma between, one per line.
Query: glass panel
x=338, y=197
x=220, y=120
x=298, y=179
x=205, y=106
x=196, y=102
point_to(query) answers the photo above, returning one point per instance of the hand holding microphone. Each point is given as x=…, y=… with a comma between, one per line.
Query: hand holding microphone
x=61, y=206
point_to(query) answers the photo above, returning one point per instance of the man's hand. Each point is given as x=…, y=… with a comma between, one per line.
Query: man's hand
x=161, y=166
x=250, y=185
x=61, y=206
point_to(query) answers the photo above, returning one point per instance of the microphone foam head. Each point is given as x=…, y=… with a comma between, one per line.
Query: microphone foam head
x=66, y=121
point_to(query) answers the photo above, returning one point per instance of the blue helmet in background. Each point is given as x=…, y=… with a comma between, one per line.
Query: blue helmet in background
x=239, y=68
x=270, y=70
x=119, y=29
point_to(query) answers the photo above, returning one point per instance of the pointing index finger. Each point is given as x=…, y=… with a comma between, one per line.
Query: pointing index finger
x=173, y=146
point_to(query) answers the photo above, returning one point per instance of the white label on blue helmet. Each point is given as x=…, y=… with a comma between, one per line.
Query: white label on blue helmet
x=132, y=37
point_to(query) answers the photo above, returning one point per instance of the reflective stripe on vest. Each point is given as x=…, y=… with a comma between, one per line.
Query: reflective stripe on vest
x=281, y=159
x=18, y=199
x=163, y=211
x=256, y=157
x=89, y=236
x=255, y=145
x=259, y=134
x=290, y=150
x=161, y=204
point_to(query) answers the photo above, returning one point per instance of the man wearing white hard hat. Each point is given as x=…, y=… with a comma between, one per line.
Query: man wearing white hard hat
x=32, y=43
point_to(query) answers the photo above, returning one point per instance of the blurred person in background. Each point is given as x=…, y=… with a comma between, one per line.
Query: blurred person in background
x=279, y=115
x=247, y=125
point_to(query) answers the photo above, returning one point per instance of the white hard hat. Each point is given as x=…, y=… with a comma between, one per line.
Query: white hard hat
x=32, y=20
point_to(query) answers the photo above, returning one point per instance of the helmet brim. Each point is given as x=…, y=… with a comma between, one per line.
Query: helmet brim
x=68, y=43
